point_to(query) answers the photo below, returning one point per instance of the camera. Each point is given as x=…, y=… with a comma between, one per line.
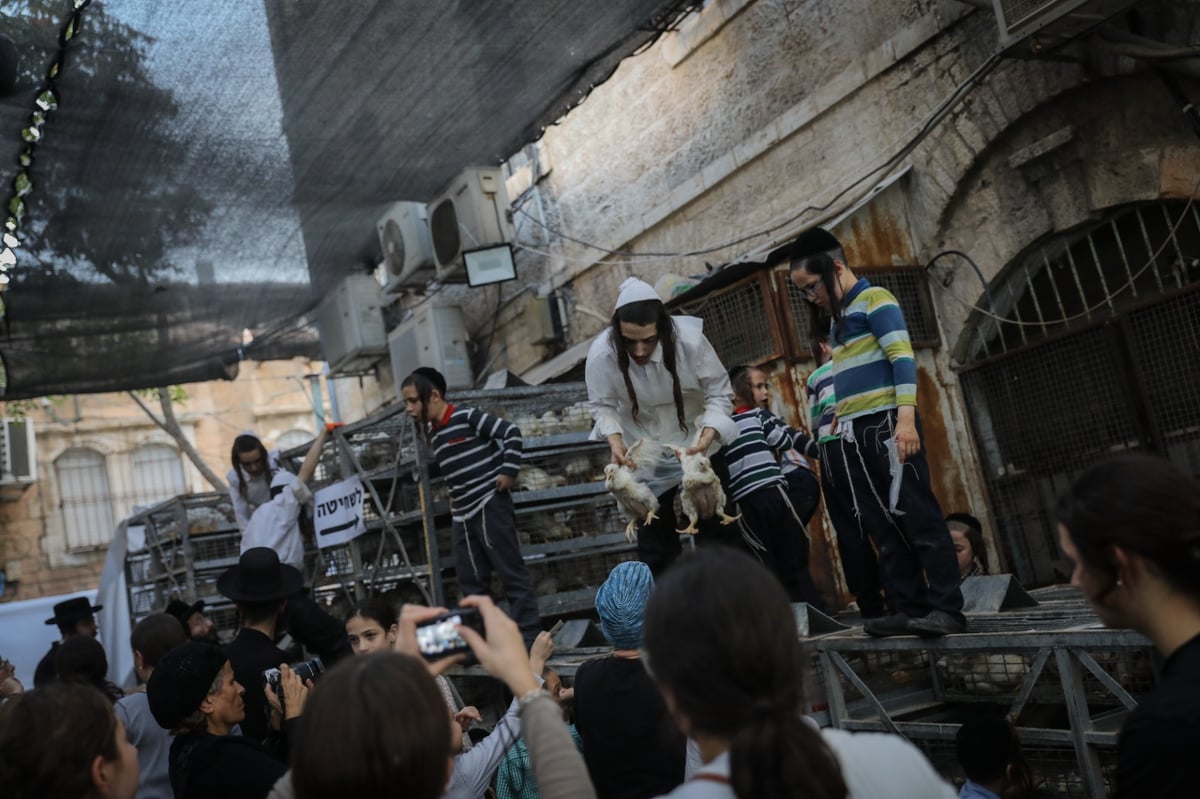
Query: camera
x=305, y=670
x=439, y=637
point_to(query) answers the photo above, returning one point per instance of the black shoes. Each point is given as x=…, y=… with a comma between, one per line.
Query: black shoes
x=937, y=623
x=896, y=624
x=932, y=625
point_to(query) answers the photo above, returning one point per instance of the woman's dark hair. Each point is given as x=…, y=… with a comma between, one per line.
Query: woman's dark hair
x=241, y=445
x=49, y=738
x=378, y=610
x=648, y=312
x=721, y=639
x=1142, y=504
x=739, y=378
x=81, y=659
x=376, y=727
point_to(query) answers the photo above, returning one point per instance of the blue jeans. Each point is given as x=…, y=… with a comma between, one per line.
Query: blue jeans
x=916, y=554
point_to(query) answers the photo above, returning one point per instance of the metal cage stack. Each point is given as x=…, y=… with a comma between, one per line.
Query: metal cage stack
x=188, y=542
x=1062, y=679
x=569, y=528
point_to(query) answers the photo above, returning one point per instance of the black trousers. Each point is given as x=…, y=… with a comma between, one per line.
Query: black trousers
x=768, y=515
x=804, y=490
x=916, y=554
x=658, y=543
x=487, y=541
x=860, y=566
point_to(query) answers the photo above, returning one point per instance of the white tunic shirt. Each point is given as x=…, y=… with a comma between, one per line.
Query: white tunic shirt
x=276, y=524
x=703, y=381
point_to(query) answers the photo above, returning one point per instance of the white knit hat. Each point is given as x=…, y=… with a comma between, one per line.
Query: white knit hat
x=635, y=290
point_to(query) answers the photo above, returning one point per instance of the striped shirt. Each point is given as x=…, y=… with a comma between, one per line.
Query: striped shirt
x=472, y=449
x=822, y=401
x=873, y=365
x=752, y=457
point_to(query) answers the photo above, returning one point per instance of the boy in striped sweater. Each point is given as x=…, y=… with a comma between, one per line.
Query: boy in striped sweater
x=758, y=489
x=479, y=456
x=875, y=383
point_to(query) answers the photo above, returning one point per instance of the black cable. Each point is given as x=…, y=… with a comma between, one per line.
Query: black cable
x=987, y=290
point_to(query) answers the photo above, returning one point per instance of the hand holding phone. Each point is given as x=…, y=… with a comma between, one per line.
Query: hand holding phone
x=439, y=637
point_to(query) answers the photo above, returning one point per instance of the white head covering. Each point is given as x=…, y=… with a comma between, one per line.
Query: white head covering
x=635, y=290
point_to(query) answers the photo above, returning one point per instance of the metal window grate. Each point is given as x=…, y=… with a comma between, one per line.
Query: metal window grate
x=739, y=322
x=1073, y=280
x=1056, y=396
x=86, y=498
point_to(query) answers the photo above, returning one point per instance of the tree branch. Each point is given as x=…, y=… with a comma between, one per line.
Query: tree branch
x=170, y=426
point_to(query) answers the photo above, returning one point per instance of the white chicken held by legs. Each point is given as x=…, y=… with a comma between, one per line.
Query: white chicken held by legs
x=700, y=494
x=635, y=498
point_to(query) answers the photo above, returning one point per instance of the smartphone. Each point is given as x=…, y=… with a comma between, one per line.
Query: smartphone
x=439, y=638
x=558, y=625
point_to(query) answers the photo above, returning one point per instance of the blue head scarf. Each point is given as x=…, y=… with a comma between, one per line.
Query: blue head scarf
x=621, y=603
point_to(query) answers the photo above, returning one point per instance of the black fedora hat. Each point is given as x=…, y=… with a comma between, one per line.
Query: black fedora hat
x=259, y=577
x=72, y=610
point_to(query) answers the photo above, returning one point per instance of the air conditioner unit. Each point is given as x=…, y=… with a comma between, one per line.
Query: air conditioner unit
x=433, y=336
x=18, y=453
x=407, y=247
x=470, y=213
x=353, y=336
x=1043, y=25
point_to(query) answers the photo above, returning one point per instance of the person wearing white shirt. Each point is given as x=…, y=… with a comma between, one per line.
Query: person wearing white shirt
x=654, y=376
x=720, y=642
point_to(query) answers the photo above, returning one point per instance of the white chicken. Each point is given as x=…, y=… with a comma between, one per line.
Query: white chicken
x=636, y=499
x=700, y=494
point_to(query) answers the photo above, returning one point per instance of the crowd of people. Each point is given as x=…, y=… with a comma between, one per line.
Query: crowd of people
x=702, y=693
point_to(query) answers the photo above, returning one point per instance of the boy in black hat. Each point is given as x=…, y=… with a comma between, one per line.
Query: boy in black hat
x=73, y=617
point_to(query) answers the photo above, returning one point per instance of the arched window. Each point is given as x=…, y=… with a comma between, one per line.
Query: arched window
x=1092, y=349
x=157, y=474
x=86, y=500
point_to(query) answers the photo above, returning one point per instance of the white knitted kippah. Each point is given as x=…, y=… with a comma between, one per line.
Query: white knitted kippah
x=635, y=290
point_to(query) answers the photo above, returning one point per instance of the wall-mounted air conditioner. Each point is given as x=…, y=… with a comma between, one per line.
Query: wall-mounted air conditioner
x=1042, y=25
x=353, y=336
x=18, y=453
x=470, y=213
x=433, y=336
x=407, y=247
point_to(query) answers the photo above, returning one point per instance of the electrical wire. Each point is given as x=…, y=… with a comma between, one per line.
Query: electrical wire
x=1087, y=312
x=922, y=130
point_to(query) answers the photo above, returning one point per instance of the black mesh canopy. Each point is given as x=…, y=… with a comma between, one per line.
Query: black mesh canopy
x=206, y=169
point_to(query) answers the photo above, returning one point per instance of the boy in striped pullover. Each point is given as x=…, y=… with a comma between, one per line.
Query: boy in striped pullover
x=479, y=456
x=759, y=491
x=875, y=383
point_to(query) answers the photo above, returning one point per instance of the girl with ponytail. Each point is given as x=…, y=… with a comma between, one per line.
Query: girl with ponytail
x=722, y=646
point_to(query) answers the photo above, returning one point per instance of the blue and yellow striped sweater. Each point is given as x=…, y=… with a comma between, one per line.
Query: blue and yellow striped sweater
x=873, y=364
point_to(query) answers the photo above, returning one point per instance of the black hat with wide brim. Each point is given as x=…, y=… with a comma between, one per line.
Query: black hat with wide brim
x=260, y=577
x=73, y=610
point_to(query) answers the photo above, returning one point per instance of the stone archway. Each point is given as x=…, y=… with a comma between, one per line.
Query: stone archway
x=1093, y=349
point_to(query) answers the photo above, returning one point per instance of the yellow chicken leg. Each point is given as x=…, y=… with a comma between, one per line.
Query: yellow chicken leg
x=726, y=518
